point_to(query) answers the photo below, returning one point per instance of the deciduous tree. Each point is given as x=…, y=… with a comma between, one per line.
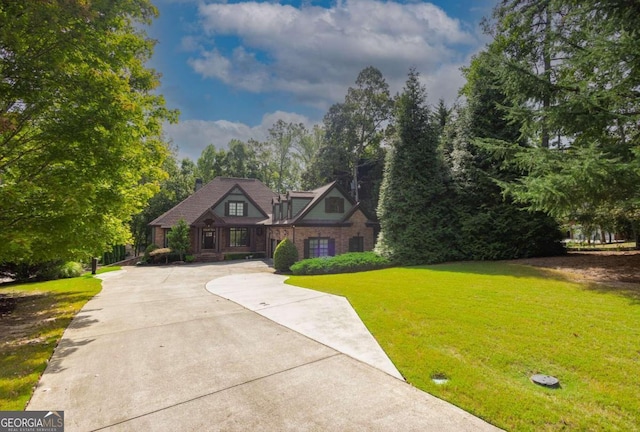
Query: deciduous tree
x=355, y=127
x=284, y=138
x=80, y=126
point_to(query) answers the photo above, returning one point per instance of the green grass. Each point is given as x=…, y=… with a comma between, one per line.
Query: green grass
x=29, y=334
x=488, y=327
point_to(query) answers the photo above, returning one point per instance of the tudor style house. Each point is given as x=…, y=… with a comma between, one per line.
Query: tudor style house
x=232, y=215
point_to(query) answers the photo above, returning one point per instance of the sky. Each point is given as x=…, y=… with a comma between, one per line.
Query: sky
x=233, y=68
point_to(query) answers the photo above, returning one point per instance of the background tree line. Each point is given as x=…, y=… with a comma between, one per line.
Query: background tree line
x=547, y=133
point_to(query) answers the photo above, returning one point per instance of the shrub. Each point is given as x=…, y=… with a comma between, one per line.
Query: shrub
x=43, y=271
x=189, y=258
x=157, y=255
x=70, y=269
x=285, y=255
x=179, y=239
x=26, y=271
x=146, y=257
x=346, y=263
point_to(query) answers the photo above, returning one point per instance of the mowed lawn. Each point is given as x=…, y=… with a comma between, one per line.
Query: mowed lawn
x=30, y=332
x=487, y=327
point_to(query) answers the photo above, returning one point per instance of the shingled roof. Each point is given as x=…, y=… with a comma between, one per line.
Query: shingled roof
x=212, y=193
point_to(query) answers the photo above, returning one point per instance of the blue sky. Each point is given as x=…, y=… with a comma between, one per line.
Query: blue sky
x=234, y=68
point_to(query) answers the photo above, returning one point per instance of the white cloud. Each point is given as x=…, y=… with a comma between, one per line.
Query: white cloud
x=192, y=136
x=315, y=53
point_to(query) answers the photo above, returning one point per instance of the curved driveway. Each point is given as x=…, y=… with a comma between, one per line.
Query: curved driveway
x=155, y=351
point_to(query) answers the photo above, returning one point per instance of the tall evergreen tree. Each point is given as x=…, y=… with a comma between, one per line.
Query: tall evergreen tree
x=570, y=71
x=415, y=204
x=491, y=226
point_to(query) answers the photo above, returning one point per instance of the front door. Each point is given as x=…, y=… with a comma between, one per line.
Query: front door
x=208, y=238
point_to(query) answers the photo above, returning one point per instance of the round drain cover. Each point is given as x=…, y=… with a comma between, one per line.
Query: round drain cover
x=545, y=380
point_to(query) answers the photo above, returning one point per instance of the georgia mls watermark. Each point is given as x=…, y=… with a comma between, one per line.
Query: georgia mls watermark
x=31, y=421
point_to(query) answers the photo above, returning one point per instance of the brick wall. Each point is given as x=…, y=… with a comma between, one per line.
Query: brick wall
x=158, y=236
x=341, y=235
x=194, y=240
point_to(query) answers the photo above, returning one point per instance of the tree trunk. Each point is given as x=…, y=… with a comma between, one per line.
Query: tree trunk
x=546, y=100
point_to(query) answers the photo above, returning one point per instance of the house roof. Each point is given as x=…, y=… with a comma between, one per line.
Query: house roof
x=301, y=194
x=211, y=194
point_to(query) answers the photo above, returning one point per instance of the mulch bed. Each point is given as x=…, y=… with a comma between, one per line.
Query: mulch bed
x=617, y=267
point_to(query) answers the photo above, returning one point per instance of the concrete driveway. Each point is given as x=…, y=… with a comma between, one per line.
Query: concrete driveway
x=155, y=351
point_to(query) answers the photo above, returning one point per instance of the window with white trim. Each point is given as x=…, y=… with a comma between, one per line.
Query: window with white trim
x=236, y=208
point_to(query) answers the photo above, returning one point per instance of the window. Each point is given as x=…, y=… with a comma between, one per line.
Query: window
x=236, y=208
x=334, y=205
x=238, y=237
x=319, y=247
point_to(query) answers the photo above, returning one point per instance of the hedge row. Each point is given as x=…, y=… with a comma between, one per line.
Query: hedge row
x=345, y=263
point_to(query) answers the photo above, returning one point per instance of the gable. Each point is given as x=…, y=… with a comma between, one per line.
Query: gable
x=331, y=207
x=237, y=203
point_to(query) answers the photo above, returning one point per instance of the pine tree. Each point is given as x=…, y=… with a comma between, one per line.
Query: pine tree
x=491, y=226
x=414, y=208
x=570, y=71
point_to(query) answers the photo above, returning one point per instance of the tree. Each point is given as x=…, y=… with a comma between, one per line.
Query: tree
x=283, y=139
x=240, y=160
x=491, y=226
x=308, y=146
x=441, y=116
x=356, y=125
x=265, y=168
x=415, y=204
x=179, y=239
x=333, y=159
x=211, y=163
x=569, y=70
x=80, y=126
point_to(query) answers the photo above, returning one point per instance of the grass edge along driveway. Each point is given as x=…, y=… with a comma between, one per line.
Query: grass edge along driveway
x=488, y=327
x=31, y=332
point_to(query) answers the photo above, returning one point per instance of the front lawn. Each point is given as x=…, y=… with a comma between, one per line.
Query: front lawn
x=33, y=317
x=487, y=327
